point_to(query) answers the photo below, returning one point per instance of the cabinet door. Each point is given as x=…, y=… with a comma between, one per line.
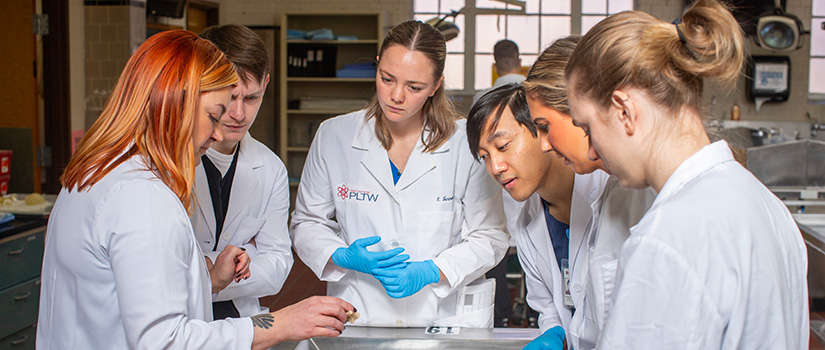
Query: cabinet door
x=21, y=258
x=22, y=340
x=19, y=305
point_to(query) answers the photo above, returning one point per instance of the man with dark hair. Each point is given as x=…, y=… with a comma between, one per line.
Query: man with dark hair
x=501, y=133
x=241, y=185
x=507, y=66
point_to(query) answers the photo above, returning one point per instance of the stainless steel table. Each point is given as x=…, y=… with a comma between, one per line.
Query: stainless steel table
x=368, y=338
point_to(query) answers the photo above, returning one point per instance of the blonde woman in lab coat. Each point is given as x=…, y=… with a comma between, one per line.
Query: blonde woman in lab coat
x=606, y=211
x=398, y=176
x=122, y=268
x=717, y=262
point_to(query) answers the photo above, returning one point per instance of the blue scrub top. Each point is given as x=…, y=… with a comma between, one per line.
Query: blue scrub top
x=395, y=173
x=559, y=235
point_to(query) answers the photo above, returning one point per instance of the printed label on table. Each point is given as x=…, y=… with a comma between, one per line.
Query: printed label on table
x=442, y=330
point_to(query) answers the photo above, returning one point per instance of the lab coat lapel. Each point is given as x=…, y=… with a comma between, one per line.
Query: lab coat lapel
x=420, y=163
x=204, y=199
x=539, y=236
x=375, y=158
x=245, y=182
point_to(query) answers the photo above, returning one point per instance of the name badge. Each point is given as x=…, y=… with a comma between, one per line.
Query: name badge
x=565, y=273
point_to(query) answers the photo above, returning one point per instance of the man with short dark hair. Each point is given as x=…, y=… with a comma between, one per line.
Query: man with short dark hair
x=241, y=185
x=501, y=133
x=507, y=66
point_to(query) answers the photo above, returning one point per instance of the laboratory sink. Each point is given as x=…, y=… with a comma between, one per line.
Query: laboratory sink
x=812, y=227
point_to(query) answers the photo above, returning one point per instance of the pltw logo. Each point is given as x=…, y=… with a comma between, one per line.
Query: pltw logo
x=346, y=193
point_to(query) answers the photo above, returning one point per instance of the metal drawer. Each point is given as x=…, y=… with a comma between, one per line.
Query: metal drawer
x=21, y=257
x=22, y=340
x=19, y=305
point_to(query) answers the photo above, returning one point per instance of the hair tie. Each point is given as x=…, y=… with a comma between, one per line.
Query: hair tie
x=676, y=23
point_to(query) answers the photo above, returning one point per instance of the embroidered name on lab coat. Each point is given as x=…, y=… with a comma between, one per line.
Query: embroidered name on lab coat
x=444, y=198
x=346, y=193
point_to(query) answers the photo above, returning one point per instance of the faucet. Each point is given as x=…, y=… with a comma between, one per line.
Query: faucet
x=815, y=126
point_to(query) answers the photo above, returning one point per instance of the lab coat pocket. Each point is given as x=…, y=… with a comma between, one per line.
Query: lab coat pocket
x=434, y=234
x=473, y=306
x=477, y=319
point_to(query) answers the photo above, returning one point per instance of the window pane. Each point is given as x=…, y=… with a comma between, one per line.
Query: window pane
x=425, y=6
x=817, y=37
x=454, y=72
x=490, y=4
x=457, y=44
x=450, y=5
x=590, y=21
x=484, y=71
x=528, y=60
x=533, y=6
x=524, y=31
x=561, y=7
x=594, y=6
x=489, y=30
x=616, y=6
x=816, y=85
x=818, y=8
x=553, y=28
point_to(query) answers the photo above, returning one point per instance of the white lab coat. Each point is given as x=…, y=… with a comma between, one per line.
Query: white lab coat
x=716, y=263
x=542, y=275
x=259, y=208
x=594, y=268
x=122, y=270
x=445, y=207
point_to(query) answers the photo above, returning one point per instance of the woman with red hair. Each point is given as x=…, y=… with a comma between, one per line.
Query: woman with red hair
x=121, y=267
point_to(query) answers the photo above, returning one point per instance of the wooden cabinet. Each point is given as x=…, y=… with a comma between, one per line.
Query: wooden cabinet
x=309, y=90
x=21, y=257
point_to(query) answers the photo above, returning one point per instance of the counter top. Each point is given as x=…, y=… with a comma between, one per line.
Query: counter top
x=19, y=225
x=367, y=338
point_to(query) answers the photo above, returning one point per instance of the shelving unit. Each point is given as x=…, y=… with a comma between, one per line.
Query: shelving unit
x=297, y=126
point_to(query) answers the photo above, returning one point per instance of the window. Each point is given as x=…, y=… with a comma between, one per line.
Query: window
x=543, y=22
x=816, y=85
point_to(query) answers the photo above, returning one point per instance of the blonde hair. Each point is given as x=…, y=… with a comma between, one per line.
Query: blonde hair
x=635, y=49
x=545, y=81
x=151, y=113
x=438, y=112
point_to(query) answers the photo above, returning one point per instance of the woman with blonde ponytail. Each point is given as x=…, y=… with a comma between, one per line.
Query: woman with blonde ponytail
x=717, y=262
x=122, y=268
x=397, y=176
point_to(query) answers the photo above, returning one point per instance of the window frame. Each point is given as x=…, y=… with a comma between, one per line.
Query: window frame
x=469, y=13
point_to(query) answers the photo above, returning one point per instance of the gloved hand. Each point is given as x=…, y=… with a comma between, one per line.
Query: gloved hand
x=552, y=339
x=357, y=257
x=401, y=282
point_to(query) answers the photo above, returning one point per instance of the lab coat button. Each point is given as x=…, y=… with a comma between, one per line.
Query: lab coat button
x=399, y=322
x=394, y=244
x=577, y=288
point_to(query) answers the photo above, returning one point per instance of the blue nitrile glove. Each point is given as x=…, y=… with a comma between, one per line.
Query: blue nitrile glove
x=408, y=280
x=552, y=339
x=357, y=257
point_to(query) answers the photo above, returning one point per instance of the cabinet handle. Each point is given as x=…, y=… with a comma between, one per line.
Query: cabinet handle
x=23, y=297
x=15, y=252
x=21, y=340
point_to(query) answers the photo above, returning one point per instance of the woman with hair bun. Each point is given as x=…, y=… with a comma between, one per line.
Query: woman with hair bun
x=717, y=262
